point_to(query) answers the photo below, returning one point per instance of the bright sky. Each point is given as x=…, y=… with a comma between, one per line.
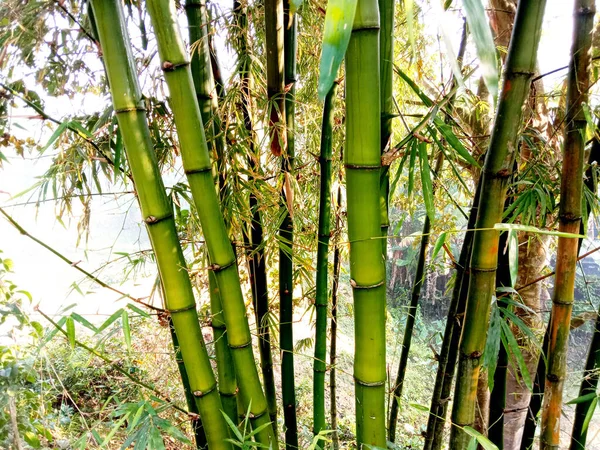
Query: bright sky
x=49, y=279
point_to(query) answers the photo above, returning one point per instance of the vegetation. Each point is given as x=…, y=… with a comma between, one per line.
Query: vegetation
x=406, y=198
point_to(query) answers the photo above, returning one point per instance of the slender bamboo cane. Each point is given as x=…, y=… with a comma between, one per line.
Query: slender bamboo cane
x=386, y=74
x=198, y=168
x=570, y=216
x=589, y=385
x=286, y=235
x=335, y=441
x=520, y=66
x=367, y=268
x=538, y=386
x=418, y=281
x=256, y=253
x=197, y=427
x=158, y=216
x=322, y=285
x=449, y=350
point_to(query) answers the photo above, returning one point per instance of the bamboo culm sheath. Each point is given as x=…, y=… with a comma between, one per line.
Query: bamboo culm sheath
x=158, y=215
x=569, y=219
x=498, y=166
x=198, y=168
x=367, y=267
x=322, y=285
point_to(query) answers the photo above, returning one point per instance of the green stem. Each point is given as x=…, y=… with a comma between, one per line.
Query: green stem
x=322, y=284
x=158, y=216
x=367, y=268
x=499, y=161
x=198, y=168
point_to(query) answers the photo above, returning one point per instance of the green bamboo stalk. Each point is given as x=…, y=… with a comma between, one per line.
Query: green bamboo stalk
x=158, y=216
x=335, y=440
x=367, y=268
x=286, y=234
x=322, y=284
x=386, y=74
x=570, y=217
x=207, y=100
x=225, y=368
x=449, y=350
x=256, y=253
x=499, y=161
x=498, y=394
x=197, y=427
x=198, y=168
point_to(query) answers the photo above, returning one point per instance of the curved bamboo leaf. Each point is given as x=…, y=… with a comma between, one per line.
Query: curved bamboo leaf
x=513, y=348
x=484, y=43
x=336, y=36
x=492, y=346
x=481, y=439
x=426, y=181
x=513, y=256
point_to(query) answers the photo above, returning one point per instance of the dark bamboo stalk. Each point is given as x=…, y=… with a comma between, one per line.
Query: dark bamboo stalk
x=499, y=161
x=334, y=316
x=570, y=217
x=449, y=350
x=322, y=283
x=286, y=235
x=255, y=253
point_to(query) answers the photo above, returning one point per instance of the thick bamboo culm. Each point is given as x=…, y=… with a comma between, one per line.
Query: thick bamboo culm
x=498, y=167
x=207, y=100
x=198, y=168
x=367, y=268
x=322, y=278
x=569, y=221
x=158, y=216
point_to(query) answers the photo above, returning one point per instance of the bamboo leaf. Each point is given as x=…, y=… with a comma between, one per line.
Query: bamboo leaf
x=446, y=131
x=438, y=244
x=109, y=321
x=60, y=130
x=141, y=312
x=83, y=321
x=114, y=429
x=411, y=167
x=583, y=398
x=589, y=415
x=426, y=181
x=71, y=331
x=484, y=43
x=409, y=6
x=126, y=328
x=492, y=346
x=481, y=439
x=531, y=229
x=513, y=257
x=336, y=36
x=513, y=346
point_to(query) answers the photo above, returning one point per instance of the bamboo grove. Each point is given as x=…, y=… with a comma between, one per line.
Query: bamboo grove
x=331, y=197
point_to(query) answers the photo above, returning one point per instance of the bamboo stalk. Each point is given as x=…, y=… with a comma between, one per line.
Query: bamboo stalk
x=198, y=168
x=256, y=253
x=570, y=215
x=322, y=284
x=335, y=441
x=499, y=161
x=158, y=216
x=286, y=234
x=197, y=427
x=449, y=350
x=367, y=268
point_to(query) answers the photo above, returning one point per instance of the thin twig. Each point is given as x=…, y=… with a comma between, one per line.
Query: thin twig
x=75, y=264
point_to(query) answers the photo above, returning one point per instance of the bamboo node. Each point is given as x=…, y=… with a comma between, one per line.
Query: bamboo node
x=217, y=268
x=355, y=285
x=553, y=378
x=152, y=220
x=200, y=394
x=369, y=383
x=185, y=308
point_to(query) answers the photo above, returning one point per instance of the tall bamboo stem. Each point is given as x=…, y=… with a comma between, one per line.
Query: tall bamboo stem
x=256, y=253
x=498, y=167
x=367, y=268
x=198, y=168
x=322, y=285
x=158, y=216
x=335, y=440
x=570, y=215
